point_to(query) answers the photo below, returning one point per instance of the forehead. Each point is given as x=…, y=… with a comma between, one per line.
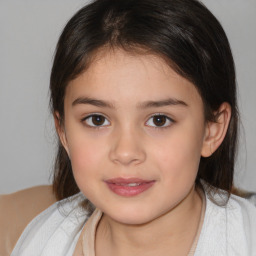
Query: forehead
x=117, y=74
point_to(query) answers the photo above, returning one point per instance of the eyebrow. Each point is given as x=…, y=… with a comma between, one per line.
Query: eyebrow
x=163, y=103
x=143, y=105
x=94, y=102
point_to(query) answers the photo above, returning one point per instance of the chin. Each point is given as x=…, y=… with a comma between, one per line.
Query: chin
x=131, y=216
x=132, y=220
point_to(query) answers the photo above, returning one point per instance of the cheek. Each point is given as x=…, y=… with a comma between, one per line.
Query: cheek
x=85, y=161
x=179, y=155
x=85, y=155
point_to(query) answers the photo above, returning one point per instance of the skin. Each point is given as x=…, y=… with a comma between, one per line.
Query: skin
x=19, y=209
x=162, y=220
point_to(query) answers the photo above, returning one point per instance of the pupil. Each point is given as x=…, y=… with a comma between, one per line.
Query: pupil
x=159, y=120
x=98, y=120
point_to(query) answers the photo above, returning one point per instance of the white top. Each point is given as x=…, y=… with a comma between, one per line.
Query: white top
x=226, y=231
x=89, y=230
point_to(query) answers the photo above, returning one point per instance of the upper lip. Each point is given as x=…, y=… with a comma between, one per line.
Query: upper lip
x=127, y=181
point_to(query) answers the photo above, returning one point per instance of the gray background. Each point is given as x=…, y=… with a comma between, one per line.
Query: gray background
x=29, y=30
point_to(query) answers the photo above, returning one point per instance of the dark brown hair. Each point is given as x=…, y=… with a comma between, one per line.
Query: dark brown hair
x=184, y=33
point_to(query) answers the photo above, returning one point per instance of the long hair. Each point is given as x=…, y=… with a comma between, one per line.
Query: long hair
x=183, y=32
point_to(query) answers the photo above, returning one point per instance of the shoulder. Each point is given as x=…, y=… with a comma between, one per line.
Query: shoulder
x=241, y=225
x=62, y=221
x=18, y=209
x=251, y=196
x=237, y=211
x=230, y=228
x=243, y=211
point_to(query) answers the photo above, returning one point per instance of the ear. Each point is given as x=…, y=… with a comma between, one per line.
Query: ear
x=216, y=131
x=59, y=126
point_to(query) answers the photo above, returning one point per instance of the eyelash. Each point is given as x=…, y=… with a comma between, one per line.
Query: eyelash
x=167, y=119
x=91, y=116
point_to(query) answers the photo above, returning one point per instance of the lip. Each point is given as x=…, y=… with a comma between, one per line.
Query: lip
x=129, y=187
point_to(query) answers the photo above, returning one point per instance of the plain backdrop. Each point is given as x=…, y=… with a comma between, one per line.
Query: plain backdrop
x=29, y=30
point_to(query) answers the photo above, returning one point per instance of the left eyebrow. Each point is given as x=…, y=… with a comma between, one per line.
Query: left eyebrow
x=94, y=102
x=163, y=103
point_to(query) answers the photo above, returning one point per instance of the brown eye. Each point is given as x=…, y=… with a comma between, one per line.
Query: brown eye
x=159, y=121
x=96, y=120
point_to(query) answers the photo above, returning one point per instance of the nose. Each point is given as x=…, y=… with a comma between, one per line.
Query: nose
x=127, y=148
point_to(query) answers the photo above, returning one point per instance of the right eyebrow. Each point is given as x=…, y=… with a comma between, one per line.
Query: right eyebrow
x=91, y=101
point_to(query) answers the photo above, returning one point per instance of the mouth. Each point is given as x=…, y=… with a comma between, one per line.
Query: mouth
x=129, y=187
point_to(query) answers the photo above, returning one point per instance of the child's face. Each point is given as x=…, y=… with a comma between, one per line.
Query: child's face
x=148, y=126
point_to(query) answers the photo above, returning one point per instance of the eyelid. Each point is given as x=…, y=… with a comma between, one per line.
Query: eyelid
x=83, y=120
x=160, y=127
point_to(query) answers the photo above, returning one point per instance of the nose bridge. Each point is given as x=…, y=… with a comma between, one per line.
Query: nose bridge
x=127, y=146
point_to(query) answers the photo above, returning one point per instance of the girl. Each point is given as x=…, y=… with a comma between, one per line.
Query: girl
x=144, y=101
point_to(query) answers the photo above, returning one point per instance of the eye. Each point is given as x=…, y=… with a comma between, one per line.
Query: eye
x=96, y=121
x=159, y=120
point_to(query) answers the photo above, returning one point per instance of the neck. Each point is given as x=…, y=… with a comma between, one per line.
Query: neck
x=166, y=235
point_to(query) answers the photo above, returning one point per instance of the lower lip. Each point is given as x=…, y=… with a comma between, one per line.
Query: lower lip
x=127, y=191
